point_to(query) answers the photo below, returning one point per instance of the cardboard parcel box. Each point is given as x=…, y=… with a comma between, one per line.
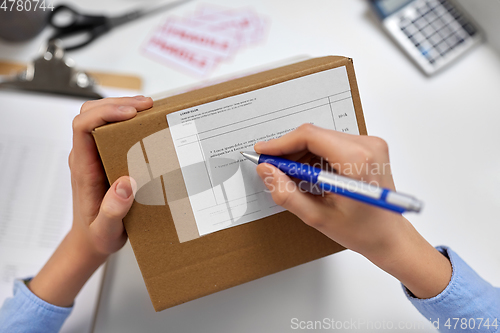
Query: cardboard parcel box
x=177, y=264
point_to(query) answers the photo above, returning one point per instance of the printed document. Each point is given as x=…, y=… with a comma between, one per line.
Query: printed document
x=223, y=187
x=35, y=191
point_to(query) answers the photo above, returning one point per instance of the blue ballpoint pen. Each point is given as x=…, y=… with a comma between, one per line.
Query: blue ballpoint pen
x=331, y=182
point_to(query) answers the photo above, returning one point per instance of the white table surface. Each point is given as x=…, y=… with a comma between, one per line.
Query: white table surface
x=443, y=137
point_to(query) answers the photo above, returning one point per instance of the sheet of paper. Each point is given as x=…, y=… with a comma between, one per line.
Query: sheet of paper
x=224, y=189
x=197, y=43
x=35, y=191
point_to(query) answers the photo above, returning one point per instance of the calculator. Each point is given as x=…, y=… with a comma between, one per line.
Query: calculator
x=433, y=33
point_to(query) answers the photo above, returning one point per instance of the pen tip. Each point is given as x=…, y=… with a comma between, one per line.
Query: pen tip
x=251, y=156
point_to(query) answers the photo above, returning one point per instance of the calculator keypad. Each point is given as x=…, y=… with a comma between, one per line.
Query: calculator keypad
x=435, y=27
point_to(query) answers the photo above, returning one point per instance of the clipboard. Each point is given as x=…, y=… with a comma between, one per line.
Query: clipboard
x=113, y=80
x=55, y=142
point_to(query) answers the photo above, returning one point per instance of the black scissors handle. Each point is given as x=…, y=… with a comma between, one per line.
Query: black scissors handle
x=70, y=23
x=86, y=28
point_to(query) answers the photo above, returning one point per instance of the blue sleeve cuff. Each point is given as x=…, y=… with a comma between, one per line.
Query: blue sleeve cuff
x=25, y=312
x=466, y=296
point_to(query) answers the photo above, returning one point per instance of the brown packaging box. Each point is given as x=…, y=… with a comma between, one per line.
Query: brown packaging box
x=174, y=269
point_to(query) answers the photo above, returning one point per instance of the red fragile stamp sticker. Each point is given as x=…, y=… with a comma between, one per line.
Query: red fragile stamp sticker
x=199, y=42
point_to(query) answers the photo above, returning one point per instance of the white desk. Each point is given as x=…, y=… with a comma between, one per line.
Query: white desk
x=443, y=135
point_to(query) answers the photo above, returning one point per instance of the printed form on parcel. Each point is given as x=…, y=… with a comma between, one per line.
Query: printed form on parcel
x=223, y=187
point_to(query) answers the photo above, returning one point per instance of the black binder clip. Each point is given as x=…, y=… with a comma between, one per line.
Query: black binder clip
x=53, y=73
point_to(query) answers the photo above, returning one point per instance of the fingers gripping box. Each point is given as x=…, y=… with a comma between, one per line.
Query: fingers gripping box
x=192, y=231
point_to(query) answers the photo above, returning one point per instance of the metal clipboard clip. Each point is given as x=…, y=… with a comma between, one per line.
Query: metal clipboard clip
x=53, y=73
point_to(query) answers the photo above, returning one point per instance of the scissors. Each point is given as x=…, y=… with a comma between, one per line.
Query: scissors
x=76, y=30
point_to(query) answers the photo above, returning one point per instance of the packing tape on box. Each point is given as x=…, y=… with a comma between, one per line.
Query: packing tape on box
x=154, y=166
